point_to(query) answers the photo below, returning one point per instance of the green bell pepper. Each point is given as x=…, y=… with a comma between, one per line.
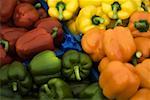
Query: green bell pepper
x=45, y=66
x=76, y=65
x=16, y=77
x=92, y=92
x=55, y=89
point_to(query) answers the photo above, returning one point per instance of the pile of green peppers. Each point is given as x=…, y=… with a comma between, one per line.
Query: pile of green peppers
x=47, y=77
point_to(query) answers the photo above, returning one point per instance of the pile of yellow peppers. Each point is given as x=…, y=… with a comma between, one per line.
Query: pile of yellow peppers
x=123, y=51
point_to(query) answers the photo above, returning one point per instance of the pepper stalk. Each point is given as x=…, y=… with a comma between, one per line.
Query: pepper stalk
x=142, y=25
x=60, y=7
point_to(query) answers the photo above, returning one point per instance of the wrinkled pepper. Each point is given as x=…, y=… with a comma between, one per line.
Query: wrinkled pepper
x=94, y=18
x=62, y=9
x=85, y=3
x=119, y=9
x=34, y=42
x=139, y=24
x=92, y=43
x=141, y=94
x=103, y=64
x=143, y=70
x=16, y=76
x=119, y=81
x=55, y=89
x=54, y=27
x=92, y=92
x=76, y=65
x=119, y=44
x=45, y=66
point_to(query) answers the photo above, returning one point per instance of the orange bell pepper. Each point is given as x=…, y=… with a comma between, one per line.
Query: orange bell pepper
x=103, y=64
x=119, y=44
x=92, y=43
x=119, y=81
x=143, y=70
x=142, y=94
x=139, y=24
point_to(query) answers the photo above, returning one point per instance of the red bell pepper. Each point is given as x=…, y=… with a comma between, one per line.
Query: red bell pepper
x=33, y=42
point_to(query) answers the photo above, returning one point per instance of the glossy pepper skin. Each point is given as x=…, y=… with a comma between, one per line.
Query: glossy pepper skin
x=119, y=9
x=85, y=3
x=92, y=43
x=139, y=24
x=76, y=65
x=16, y=76
x=45, y=66
x=94, y=18
x=141, y=94
x=117, y=42
x=55, y=89
x=92, y=92
x=34, y=42
x=11, y=35
x=119, y=81
x=25, y=15
x=62, y=9
x=6, y=11
x=53, y=27
x=142, y=70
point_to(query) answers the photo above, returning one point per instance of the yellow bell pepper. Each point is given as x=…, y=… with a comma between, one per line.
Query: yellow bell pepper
x=62, y=9
x=90, y=17
x=120, y=9
x=84, y=3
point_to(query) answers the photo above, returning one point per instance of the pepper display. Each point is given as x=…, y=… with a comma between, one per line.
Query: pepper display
x=62, y=9
x=55, y=89
x=16, y=77
x=34, y=42
x=45, y=66
x=120, y=9
x=139, y=24
x=94, y=18
x=76, y=65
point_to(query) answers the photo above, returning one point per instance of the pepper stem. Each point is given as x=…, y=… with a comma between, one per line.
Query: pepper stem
x=142, y=25
x=5, y=44
x=48, y=91
x=60, y=7
x=115, y=8
x=96, y=20
x=118, y=22
x=14, y=86
x=37, y=5
x=135, y=58
x=54, y=32
x=138, y=54
x=77, y=73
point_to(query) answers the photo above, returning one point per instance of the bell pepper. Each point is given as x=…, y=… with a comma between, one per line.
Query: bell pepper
x=62, y=9
x=103, y=64
x=92, y=43
x=34, y=42
x=42, y=13
x=11, y=35
x=85, y=3
x=25, y=15
x=76, y=65
x=54, y=27
x=119, y=81
x=16, y=76
x=45, y=66
x=7, y=11
x=55, y=89
x=119, y=44
x=28, y=1
x=139, y=24
x=142, y=70
x=90, y=17
x=118, y=9
x=92, y=92
x=141, y=94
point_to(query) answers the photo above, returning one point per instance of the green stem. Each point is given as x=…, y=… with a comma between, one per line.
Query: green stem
x=142, y=25
x=5, y=44
x=115, y=8
x=60, y=7
x=134, y=61
x=138, y=54
x=118, y=22
x=48, y=91
x=54, y=32
x=96, y=20
x=14, y=86
x=38, y=5
x=77, y=73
